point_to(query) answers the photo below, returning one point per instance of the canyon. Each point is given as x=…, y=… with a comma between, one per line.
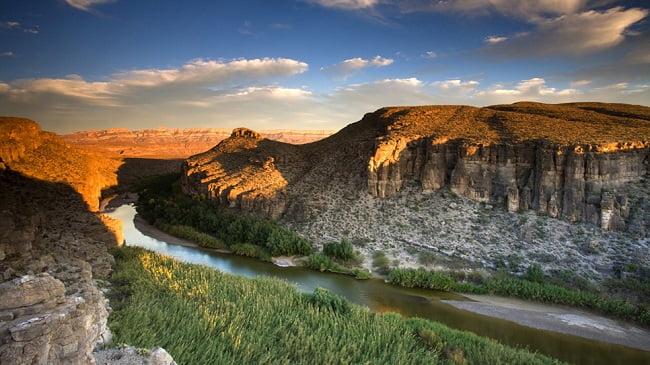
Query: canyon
x=563, y=161
x=564, y=186
x=172, y=143
x=488, y=188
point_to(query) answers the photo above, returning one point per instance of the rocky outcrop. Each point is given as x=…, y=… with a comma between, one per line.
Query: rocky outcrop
x=571, y=182
x=43, y=155
x=565, y=161
x=133, y=356
x=52, y=248
x=163, y=143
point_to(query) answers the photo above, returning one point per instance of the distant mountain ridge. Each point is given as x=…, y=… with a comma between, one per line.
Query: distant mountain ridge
x=173, y=142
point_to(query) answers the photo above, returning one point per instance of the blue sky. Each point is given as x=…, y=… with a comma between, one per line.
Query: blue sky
x=308, y=64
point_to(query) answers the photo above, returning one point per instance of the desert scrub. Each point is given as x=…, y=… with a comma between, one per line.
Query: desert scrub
x=203, y=316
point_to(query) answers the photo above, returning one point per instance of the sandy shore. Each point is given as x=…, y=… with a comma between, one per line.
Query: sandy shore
x=561, y=319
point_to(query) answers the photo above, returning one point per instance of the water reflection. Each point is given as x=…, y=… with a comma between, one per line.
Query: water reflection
x=382, y=297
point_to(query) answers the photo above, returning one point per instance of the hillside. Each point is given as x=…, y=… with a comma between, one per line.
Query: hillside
x=44, y=156
x=443, y=179
x=162, y=143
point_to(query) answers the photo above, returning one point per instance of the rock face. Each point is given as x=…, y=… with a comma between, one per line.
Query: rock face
x=43, y=155
x=52, y=248
x=565, y=161
x=172, y=143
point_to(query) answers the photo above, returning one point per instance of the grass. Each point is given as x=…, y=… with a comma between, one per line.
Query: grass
x=532, y=287
x=203, y=316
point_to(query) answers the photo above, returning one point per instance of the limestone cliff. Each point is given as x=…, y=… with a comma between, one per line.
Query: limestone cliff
x=43, y=155
x=565, y=160
x=52, y=248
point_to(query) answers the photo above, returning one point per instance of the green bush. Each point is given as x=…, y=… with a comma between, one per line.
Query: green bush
x=420, y=278
x=340, y=250
x=380, y=262
x=320, y=262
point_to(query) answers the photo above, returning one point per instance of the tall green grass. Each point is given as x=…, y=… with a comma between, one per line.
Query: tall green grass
x=525, y=289
x=203, y=316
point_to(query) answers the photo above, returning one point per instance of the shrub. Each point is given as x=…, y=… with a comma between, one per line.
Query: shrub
x=534, y=273
x=319, y=262
x=341, y=250
x=324, y=299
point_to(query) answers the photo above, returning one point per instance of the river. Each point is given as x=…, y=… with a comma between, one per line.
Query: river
x=381, y=297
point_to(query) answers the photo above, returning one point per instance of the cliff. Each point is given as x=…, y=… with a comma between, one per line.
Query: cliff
x=565, y=161
x=171, y=143
x=43, y=155
x=52, y=248
x=51, y=251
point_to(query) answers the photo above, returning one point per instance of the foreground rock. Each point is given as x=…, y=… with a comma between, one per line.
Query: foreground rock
x=133, y=356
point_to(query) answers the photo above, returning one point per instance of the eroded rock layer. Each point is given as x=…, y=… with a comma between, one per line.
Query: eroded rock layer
x=564, y=160
x=43, y=155
x=52, y=247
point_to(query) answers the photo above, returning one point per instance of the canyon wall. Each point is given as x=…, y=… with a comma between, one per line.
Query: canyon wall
x=575, y=182
x=566, y=161
x=52, y=248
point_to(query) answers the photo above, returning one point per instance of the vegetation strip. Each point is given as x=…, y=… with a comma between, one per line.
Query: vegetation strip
x=201, y=316
x=531, y=287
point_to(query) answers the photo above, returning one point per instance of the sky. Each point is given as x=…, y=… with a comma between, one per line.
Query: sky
x=75, y=65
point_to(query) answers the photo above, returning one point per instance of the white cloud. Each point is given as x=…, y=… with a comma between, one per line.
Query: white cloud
x=580, y=83
x=430, y=54
x=525, y=9
x=7, y=54
x=455, y=86
x=531, y=89
x=127, y=95
x=344, y=69
x=346, y=4
x=10, y=25
x=87, y=5
x=495, y=39
x=571, y=34
x=17, y=26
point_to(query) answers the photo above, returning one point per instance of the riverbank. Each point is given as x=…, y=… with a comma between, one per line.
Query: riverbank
x=531, y=314
x=557, y=318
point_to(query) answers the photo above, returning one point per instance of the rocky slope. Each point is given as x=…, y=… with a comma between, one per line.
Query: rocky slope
x=54, y=250
x=171, y=143
x=389, y=180
x=44, y=156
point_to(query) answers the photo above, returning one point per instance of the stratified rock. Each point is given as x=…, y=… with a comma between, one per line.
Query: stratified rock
x=24, y=147
x=558, y=160
x=172, y=143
